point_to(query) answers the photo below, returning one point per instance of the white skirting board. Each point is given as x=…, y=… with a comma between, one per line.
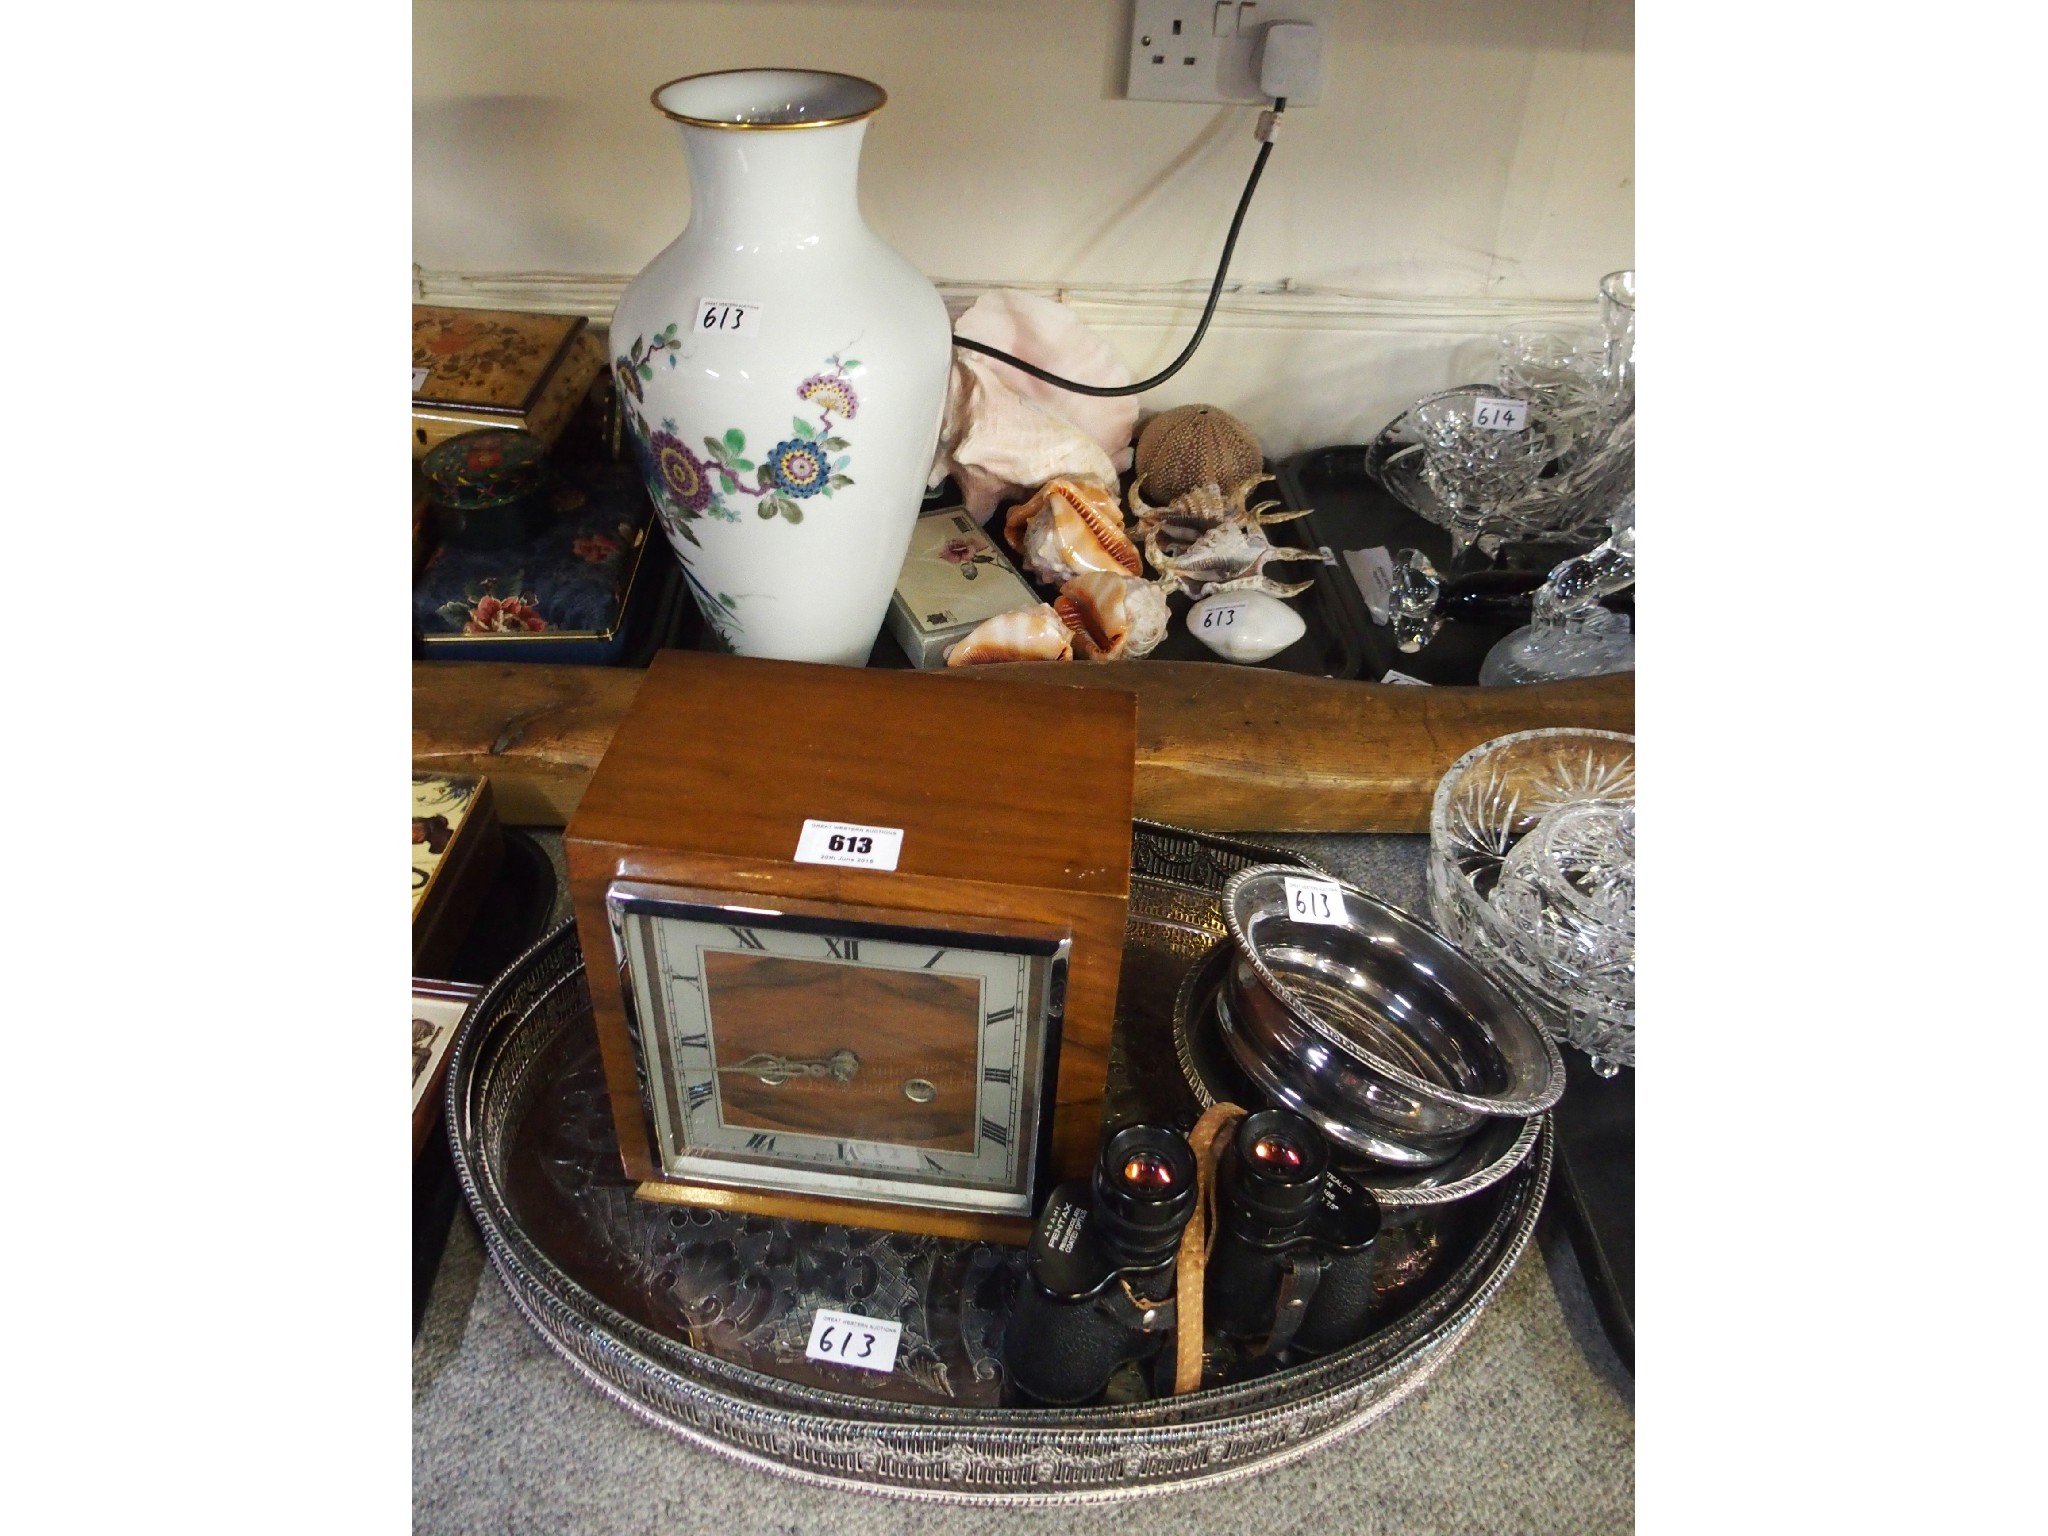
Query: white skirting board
x=1304, y=368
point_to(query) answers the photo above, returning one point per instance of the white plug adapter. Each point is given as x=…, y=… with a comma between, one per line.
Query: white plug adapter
x=1290, y=58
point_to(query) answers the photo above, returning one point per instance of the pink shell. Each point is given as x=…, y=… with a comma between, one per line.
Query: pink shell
x=997, y=445
x=1048, y=333
x=1112, y=617
x=1025, y=634
x=1069, y=528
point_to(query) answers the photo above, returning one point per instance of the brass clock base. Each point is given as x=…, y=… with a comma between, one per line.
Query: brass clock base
x=968, y=1226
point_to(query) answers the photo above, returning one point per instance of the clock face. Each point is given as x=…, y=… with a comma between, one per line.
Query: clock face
x=860, y=1059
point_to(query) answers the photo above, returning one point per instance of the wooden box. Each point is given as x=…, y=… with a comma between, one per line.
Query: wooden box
x=1014, y=801
x=475, y=368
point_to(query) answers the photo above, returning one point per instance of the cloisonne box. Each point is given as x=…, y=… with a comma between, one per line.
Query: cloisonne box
x=476, y=368
x=953, y=578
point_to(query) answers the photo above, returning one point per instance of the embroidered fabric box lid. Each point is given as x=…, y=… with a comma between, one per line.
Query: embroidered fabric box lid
x=476, y=368
x=953, y=578
x=571, y=582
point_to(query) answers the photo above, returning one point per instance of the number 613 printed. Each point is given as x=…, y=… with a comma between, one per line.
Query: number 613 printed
x=847, y=1338
x=728, y=318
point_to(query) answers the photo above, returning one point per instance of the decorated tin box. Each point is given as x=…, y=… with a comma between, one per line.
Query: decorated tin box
x=569, y=593
x=953, y=578
x=475, y=368
x=456, y=848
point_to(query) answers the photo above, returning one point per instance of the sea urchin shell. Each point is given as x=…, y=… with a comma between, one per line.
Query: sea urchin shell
x=1193, y=445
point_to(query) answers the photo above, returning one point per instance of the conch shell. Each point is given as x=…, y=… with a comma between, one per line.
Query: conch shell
x=1069, y=528
x=996, y=444
x=1024, y=634
x=1113, y=617
x=1047, y=333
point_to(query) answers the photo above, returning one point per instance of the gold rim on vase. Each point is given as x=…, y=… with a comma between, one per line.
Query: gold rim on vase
x=689, y=120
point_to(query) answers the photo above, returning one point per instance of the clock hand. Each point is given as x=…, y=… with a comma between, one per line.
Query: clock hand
x=841, y=1066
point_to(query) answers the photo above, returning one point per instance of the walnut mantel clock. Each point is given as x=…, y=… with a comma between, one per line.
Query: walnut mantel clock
x=853, y=937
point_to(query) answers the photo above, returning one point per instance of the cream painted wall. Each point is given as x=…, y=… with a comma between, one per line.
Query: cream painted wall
x=1471, y=159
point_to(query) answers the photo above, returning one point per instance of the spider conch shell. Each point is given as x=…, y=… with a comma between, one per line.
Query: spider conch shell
x=1112, y=617
x=1047, y=333
x=1229, y=557
x=1069, y=528
x=1192, y=513
x=996, y=444
x=1024, y=634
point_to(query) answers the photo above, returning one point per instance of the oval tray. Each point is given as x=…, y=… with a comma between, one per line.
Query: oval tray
x=530, y=1176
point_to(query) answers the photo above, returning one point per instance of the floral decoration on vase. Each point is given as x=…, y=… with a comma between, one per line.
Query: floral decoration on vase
x=718, y=483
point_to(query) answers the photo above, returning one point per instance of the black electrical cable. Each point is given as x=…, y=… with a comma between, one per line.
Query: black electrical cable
x=1244, y=204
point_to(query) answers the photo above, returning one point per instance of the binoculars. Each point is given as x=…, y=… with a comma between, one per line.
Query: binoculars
x=1098, y=1283
x=1291, y=1268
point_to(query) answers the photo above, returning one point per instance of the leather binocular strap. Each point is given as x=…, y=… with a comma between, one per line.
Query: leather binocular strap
x=1298, y=1284
x=1198, y=1240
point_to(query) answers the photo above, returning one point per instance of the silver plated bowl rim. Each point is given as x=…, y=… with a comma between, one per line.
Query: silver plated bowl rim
x=1511, y=1008
x=1391, y=1196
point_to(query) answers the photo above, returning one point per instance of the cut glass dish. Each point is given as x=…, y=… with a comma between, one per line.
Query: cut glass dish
x=1532, y=874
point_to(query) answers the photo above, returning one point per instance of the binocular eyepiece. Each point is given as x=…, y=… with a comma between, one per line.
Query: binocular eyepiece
x=1144, y=1187
x=1098, y=1286
x=1279, y=1160
x=1292, y=1267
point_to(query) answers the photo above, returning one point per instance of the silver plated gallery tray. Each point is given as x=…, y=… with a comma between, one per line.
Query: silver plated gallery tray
x=696, y=1320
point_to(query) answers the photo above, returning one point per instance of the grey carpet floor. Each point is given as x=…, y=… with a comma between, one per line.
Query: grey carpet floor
x=1530, y=1428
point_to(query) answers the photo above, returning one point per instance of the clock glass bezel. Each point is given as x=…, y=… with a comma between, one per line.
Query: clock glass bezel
x=672, y=1022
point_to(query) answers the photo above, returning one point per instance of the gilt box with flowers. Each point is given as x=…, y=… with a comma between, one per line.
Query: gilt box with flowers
x=474, y=368
x=568, y=594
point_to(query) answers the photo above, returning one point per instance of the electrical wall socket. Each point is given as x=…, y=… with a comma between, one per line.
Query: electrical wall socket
x=1203, y=50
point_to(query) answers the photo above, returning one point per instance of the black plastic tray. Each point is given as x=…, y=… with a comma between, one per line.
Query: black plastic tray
x=1332, y=645
x=1352, y=511
x=1596, y=1190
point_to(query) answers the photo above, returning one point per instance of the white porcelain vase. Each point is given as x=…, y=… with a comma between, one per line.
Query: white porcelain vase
x=782, y=372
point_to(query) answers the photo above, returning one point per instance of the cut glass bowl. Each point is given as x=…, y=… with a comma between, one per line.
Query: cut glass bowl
x=1532, y=874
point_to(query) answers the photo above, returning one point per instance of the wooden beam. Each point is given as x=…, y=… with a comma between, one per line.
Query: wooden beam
x=1220, y=748
x=536, y=731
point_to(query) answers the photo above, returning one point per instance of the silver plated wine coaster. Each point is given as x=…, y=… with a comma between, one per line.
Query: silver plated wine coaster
x=1496, y=1149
